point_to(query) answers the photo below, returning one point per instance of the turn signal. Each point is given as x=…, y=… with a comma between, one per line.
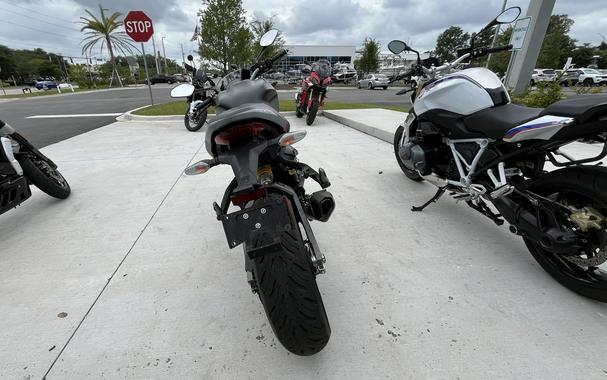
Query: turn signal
x=200, y=167
x=291, y=138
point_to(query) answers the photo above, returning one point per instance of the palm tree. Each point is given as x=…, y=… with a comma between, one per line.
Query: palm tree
x=105, y=31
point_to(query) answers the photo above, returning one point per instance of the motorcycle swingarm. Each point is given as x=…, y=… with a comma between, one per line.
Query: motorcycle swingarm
x=266, y=221
x=13, y=192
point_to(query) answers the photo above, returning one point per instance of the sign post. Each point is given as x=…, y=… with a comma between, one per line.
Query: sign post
x=139, y=27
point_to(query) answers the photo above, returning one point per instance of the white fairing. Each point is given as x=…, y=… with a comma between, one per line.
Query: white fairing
x=464, y=92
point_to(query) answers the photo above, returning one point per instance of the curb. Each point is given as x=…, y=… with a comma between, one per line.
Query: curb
x=7, y=99
x=372, y=131
x=129, y=116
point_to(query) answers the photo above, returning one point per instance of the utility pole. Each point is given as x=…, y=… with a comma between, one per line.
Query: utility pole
x=523, y=63
x=155, y=58
x=497, y=32
x=166, y=68
x=182, y=55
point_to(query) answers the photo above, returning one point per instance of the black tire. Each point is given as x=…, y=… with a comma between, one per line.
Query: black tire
x=582, y=182
x=385, y=87
x=298, y=112
x=370, y=86
x=193, y=127
x=532, y=83
x=358, y=85
x=588, y=82
x=312, y=111
x=411, y=174
x=287, y=289
x=44, y=177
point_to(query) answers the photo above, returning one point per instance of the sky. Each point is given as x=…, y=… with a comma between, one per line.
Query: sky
x=53, y=24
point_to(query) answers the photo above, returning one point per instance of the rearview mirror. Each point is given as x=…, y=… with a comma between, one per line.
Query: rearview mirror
x=182, y=91
x=509, y=15
x=268, y=38
x=397, y=46
x=190, y=58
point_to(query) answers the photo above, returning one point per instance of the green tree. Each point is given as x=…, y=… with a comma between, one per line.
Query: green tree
x=225, y=36
x=557, y=44
x=499, y=61
x=582, y=55
x=369, y=57
x=7, y=62
x=259, y=28
x=449, y=41
x=105, y=31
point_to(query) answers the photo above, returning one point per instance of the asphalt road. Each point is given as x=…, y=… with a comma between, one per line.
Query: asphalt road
x=45, y=131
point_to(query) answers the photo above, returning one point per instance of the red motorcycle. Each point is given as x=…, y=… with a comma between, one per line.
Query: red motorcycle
x=313, y=90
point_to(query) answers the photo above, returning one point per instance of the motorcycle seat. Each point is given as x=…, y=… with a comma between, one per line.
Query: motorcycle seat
x=246, y=91
x=582, y=108
x=496, y=121
x=238, y=115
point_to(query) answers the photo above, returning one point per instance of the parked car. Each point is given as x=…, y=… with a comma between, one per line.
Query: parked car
x=45, y=84
x=542, y=75
x=570, y=77
x=180, y=78
x=374, y=80
x=162, y=79
x=590, y=77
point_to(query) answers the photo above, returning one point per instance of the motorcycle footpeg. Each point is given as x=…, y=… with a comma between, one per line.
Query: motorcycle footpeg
x=323, y=180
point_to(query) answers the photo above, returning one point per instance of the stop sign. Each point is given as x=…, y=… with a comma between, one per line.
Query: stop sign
x=138, y=26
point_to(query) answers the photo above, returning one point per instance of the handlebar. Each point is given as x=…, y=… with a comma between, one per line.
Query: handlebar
x=483, y=51
x=408, y=73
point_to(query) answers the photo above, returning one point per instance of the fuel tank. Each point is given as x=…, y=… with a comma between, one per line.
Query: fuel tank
x=464, y=92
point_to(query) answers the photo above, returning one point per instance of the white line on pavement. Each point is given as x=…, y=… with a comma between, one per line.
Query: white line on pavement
x=74, y=115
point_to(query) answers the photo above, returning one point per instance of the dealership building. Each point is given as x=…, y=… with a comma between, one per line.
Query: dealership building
x=333, y=53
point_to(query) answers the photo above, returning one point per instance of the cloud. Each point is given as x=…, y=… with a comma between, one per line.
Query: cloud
x=52, y=25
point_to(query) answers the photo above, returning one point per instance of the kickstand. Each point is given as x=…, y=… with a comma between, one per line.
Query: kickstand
x=436, y=197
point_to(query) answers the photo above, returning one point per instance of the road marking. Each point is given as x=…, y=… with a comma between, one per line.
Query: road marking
x=74, y=115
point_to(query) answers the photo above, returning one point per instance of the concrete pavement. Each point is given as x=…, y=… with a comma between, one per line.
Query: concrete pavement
x=137, y=261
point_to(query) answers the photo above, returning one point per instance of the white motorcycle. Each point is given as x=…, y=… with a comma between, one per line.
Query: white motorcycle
x=465, y=136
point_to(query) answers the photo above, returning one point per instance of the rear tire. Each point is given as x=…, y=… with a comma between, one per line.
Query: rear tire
x=588, y=82
x=370, y=86
x=312, y=112
x=47, y=179
x=287, y=288
x=583, y=182
x=411, y=174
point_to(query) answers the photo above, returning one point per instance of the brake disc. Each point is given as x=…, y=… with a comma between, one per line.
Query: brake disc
x=586, y=219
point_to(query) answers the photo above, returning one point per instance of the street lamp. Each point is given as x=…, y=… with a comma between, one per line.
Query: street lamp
x=166, y=68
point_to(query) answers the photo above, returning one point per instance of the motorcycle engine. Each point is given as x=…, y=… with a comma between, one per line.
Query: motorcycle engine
x=423, y=149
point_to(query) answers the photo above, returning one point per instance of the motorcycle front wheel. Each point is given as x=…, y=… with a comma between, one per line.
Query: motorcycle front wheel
x=312, y=112
x=585, y=272
x=286, y=283
x=193, y=127
x=44, y=176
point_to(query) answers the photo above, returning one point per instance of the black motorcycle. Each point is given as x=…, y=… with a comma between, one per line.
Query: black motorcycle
x=464, y=136
x=196, y=114
x=282, y=257
x=21, y=164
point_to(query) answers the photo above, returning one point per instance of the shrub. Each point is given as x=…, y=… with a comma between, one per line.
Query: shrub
x=546, y=94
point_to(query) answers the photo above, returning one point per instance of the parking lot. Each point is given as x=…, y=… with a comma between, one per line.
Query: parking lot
x=131, y=277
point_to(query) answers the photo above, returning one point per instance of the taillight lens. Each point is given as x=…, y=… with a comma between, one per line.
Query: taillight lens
x=244, y=198
x=239, y=133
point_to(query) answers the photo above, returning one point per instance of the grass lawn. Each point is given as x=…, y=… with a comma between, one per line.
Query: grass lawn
x=35, y=93
x=179, y=107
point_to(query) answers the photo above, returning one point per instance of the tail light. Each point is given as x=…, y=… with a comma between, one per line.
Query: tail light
x=239, y=133
x=244, y=198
